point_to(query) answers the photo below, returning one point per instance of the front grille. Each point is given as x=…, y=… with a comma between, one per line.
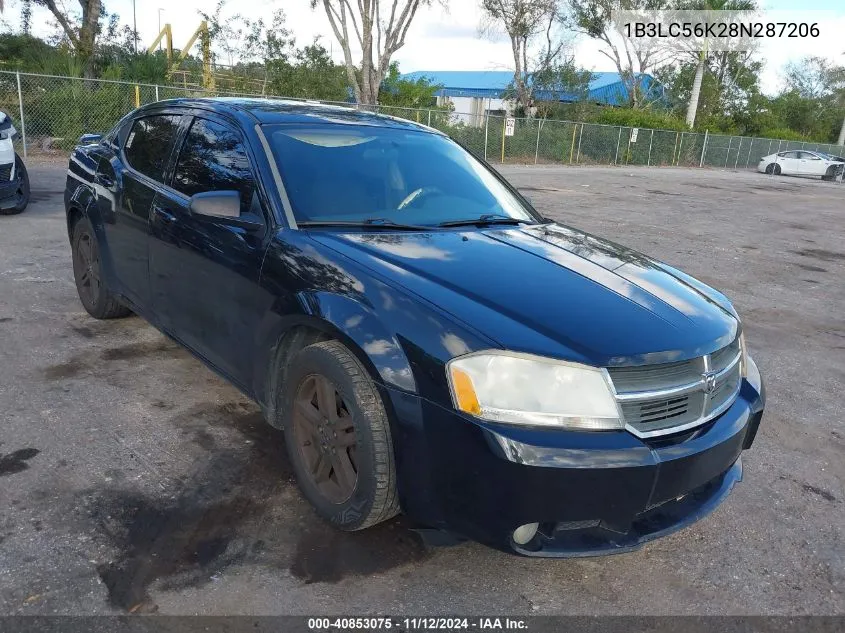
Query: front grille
x=654, y=415
x=670, y=397
x=654, y=377
x=720, y=359
x=6, y=172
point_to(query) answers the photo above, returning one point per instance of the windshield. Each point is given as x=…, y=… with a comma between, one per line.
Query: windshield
x=360, y=173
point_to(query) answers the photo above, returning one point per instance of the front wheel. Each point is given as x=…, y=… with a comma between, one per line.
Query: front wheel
x=88, y=274
x=21, y=199
x=773, y=168
x=338, y=437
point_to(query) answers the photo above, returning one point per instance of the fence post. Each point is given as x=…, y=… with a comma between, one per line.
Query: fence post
x=537, y=149
x=704, y=148
x=675, y=149
x=20, y=107
x=618, y=139
x=651, y=138
x=738, y=150
x=680, y=147
x=486, y=127
x=728, y=153
x=137, y=96
x=157, y=92
x=572, y=147
x=779, y=142
x=429, y=118
x=628, y=150
x=748, y=160
x=580, y=134
x=504, y=128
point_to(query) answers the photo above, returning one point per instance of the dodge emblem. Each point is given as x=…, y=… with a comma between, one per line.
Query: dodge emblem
x=709, y=382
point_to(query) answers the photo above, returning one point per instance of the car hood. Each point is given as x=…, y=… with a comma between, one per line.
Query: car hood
x=552, y=290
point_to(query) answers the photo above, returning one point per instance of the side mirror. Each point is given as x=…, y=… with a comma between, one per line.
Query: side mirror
x=88, y=139
x=224, y=206
x=217, y=204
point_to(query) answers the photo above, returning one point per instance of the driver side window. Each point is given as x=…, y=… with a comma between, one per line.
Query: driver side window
x=214, y=159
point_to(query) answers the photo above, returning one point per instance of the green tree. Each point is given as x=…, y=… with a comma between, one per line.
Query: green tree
x=729, y=94
x=813, y=98
x=702, y=55
x=378, y=30
x=633, y=59
x=395, y=91
x=81, y=33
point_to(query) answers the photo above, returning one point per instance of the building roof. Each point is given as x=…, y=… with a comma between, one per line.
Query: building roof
x=604, y=87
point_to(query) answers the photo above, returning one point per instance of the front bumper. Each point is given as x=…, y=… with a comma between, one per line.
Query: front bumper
x=591, y=492
x=8, y=188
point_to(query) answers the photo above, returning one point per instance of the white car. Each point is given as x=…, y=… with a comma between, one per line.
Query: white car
x=14, y=181
x=802, y=163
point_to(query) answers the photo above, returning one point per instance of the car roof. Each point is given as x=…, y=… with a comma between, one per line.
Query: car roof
x=289, y=111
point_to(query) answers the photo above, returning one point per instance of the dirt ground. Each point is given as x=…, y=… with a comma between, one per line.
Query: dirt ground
x=133, y=479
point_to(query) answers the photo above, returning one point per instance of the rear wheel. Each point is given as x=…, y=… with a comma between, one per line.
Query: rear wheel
x=88, y=274
x=21, y=199
x=338, y=437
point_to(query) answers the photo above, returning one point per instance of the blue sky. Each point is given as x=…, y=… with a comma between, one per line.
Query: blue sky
x=447, y=39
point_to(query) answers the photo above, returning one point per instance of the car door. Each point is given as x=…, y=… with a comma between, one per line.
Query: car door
x=126, y=186
x=788, y=162
x=205, y=270
x=811, y=165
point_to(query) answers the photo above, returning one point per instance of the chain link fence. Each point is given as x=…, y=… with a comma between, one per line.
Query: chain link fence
x=51, y=113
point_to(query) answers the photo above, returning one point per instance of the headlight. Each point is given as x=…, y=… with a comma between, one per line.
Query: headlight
x=743, y=359
x=9, y=132
x=532, y=390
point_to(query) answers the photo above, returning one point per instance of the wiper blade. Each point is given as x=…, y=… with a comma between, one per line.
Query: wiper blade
x=486, y=220
x=372, y=223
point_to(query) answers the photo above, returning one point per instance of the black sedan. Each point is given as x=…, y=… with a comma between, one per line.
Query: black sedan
x=428, y=342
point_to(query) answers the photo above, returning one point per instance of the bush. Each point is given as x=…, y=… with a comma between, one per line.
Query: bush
x=782, y=133
x=75, y=109
x=640, y=118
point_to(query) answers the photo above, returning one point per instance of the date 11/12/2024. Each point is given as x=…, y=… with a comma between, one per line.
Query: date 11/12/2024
x=418, y=623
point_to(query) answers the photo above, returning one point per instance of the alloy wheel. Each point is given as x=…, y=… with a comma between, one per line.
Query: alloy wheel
x=325, y=437
x=21, y=191
x=87, y=263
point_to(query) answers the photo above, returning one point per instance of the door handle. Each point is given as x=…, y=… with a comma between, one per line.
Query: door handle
x=163, y=215
x=105, y=181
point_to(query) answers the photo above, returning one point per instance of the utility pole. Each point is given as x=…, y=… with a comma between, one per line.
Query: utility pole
x=159, y=25
x=134, y=28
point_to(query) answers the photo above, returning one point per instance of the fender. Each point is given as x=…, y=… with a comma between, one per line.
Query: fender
x=81, y=196
x=340, y=317
x=312, y=284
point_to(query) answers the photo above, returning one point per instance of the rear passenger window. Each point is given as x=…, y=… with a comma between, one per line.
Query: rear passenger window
x=214, y=159
x=149, y=142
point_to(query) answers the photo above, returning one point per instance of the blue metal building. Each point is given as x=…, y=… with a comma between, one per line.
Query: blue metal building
x=605, y=87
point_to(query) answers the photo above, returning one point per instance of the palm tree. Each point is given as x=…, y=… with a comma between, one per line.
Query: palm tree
x=709, y=5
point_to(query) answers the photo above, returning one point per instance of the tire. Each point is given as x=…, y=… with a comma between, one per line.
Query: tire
x=22, y=194
x=354, y=428
x=95, y=296
x=773, y=168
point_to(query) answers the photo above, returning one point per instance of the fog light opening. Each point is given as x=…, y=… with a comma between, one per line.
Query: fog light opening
x=524, y=533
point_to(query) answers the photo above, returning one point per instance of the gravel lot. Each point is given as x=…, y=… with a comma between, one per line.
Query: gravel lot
x=133, y=479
